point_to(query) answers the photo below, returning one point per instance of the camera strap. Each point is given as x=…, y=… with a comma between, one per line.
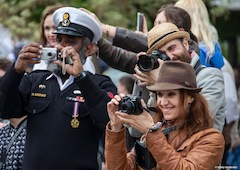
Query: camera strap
x=65, y=60
x=6, y=150
x=198, y=67
x=64, y=66
x=168, y=130
x=143, y=157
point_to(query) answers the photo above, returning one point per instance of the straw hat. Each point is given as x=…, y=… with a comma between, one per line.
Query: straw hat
x=163, y=33
x=175, y=75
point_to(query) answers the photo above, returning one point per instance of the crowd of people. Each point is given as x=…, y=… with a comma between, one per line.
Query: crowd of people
x=177, y=107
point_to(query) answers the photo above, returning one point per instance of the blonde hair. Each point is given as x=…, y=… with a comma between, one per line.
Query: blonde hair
x=201, y=25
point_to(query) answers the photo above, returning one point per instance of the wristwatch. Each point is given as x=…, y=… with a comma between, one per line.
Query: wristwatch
x=155, y=127
x=82, y=75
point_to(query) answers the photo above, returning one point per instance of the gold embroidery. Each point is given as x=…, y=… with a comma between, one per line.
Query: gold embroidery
x=39, y=95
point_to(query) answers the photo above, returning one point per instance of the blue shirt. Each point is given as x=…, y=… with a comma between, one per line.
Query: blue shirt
x=216, y=60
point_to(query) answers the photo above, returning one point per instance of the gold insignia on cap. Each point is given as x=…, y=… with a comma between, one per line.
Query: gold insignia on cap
x=66, y=21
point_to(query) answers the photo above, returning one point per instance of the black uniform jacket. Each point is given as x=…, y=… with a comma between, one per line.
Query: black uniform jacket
x=52, y=143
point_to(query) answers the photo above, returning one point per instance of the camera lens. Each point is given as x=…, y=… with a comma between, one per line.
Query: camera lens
x=146, y=63
x=131, y=105
x=50, y=55
x=126, y=107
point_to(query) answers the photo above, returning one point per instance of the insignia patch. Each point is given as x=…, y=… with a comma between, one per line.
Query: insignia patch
x=66, y=21
x=41, y=86
x=77, y=92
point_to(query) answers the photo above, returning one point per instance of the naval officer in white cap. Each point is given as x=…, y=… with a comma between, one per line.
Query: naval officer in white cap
x=88, y=65
x=81, y=25
x=66, y=108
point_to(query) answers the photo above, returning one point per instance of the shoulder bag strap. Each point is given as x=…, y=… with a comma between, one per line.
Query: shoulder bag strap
x=4, y=153
x=198, y=67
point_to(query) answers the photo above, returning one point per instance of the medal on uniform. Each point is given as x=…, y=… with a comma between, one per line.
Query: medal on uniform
x=75, y=122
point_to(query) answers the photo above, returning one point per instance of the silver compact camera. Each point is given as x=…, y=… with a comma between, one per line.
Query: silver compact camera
x=50, y=54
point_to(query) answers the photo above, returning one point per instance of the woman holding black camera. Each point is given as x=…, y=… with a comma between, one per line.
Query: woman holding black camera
x=179, y=136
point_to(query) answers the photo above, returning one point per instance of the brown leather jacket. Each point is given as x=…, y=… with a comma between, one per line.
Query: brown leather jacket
x=203, y=150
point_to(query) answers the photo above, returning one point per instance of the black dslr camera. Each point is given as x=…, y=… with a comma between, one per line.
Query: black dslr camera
x=50, y=54
x=149, y=62
x=131, y=105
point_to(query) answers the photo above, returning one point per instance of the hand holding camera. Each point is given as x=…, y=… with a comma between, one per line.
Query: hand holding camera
x=67, y=58
x=112, y=107
x=148, y=66
x=29, y=54
x=131, y=105
x=129, y=110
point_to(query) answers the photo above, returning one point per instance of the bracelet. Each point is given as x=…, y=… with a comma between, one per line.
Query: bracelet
x=155, y=127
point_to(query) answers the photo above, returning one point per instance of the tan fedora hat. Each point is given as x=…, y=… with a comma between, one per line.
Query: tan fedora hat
x=162, y=34
x=175, y=75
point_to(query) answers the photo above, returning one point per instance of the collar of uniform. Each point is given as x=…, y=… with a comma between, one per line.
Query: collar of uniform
x=51, y=75
x=62, y=86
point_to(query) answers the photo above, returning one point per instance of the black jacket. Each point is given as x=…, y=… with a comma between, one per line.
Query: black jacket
x=135, y=42
x=130, y=40
x=116, y=57
x=52, y=143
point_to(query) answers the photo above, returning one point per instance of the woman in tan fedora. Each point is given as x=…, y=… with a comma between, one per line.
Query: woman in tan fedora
x=179, y=136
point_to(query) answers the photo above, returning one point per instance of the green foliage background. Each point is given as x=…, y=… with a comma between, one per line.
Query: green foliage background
x=22, y=17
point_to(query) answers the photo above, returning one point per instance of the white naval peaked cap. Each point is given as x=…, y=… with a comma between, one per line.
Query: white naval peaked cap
x=75, y=22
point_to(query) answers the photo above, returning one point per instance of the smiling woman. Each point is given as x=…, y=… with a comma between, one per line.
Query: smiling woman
x=169, y=103
x=178, y=136
x=47, y=38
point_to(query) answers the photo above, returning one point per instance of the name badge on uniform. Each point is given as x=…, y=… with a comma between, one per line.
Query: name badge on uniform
x=39, y=95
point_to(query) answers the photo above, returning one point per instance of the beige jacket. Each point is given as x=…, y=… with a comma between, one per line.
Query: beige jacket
x=203, y=150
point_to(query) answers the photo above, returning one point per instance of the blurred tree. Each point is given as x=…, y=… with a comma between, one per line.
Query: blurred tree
x=22, y=17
